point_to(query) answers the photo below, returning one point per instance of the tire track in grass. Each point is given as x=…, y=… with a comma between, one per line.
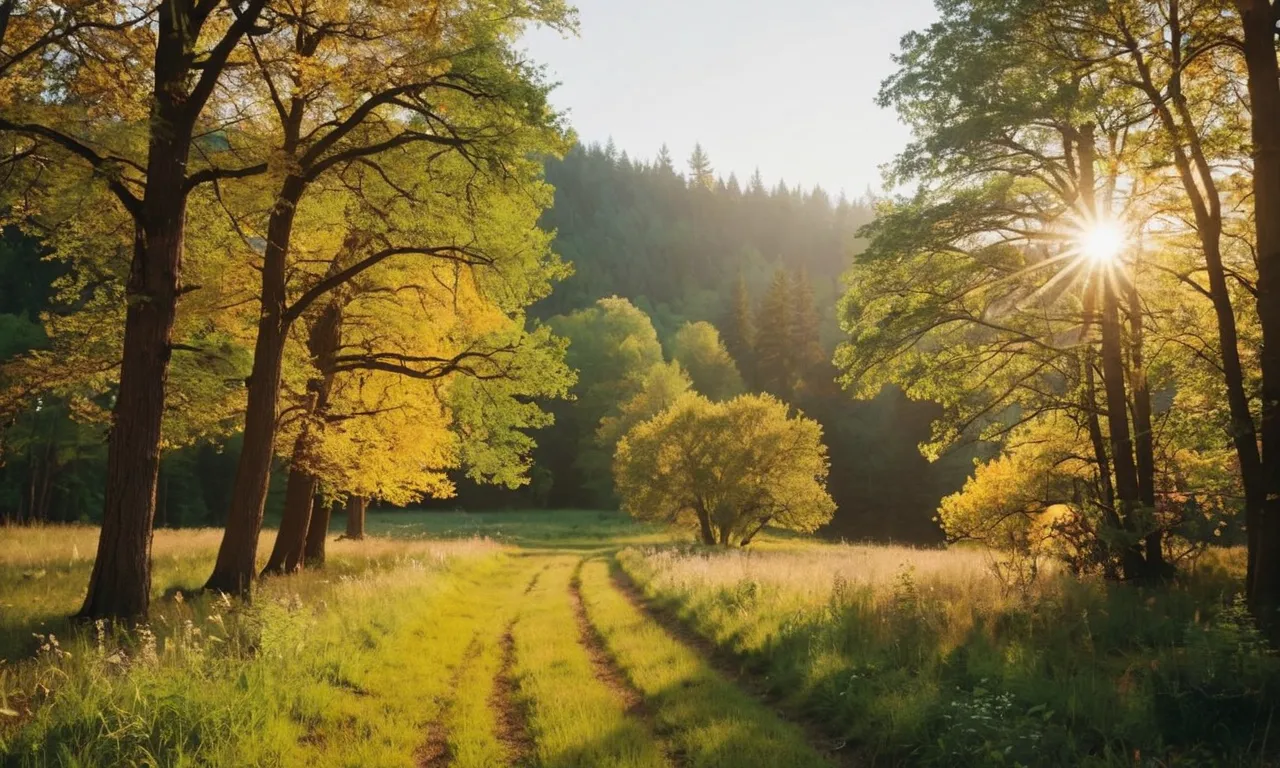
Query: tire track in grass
x=469, y=732
x=713, y=721
x=513, y=721
x=575, y=720
x=435, y=752
x=608, y=672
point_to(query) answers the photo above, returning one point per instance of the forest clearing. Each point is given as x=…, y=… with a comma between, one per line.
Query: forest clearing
x=581, y=639
x=581, y=383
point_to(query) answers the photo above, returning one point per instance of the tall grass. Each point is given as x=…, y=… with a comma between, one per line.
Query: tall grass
x=298, y=676
x=924, y=657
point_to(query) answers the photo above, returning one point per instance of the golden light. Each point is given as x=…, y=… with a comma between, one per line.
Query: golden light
x=1102, y=242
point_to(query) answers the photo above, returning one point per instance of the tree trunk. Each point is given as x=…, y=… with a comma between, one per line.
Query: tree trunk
x=704, y=527
x=318, y=532
x=1259, y=21
x=1144, y=434
x=235, y=567
x=356, y=506
x=323, y=343
x=120, y=584
x=1127, y=494
x=300, y=489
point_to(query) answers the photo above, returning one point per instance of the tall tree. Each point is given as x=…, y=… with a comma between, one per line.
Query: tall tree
x=698, y=349
x=457, y=92
x=185, y=48
x=700, y=172
x=740, y=330
x=1259, y=19
x=775, y=361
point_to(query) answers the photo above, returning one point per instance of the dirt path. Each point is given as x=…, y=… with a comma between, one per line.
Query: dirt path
x=513, y=721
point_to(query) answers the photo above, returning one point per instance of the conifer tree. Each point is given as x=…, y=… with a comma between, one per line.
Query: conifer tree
x=663, y=163
x=700, y=172
x=806, y=345
x=755, y=187
x=740, y=331
x=775, y=360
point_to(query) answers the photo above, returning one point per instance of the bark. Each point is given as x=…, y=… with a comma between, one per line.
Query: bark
x=1126, y=473
x=300, y=488
x=356, y=507
x=318, y=532
x=704, y=527
x=120, y=584
x=235, y=567
x=1259, y=22
x=323, y=343
x=1144, y=433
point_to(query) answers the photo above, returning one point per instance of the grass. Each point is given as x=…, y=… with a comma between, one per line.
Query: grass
x=502, y=639
x=923, y=658
x=575, y=720
x=711, y=721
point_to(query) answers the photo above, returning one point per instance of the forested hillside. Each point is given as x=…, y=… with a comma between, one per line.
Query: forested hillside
x=764, y=265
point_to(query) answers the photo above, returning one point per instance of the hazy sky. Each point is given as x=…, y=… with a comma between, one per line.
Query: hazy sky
x=788, y=87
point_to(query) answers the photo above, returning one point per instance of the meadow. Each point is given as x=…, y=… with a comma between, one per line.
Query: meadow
x=583, y=639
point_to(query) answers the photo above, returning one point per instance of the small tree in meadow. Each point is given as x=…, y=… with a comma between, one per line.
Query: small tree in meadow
x=726, y=469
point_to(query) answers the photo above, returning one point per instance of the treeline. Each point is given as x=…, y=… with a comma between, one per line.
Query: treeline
x=762, y=265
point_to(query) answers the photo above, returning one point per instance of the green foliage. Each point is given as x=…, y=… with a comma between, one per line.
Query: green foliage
x=726, y=470
x=698, y=349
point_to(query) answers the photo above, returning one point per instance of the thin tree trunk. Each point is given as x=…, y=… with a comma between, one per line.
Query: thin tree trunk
x=318, y=531
x=1126, y=472
x=235, y=567
x=323, y=343
x=300, y=489
x=356, y=506
x=1144, y=433
x=1259, y=21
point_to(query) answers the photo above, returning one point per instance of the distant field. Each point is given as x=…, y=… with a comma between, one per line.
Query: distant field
x=570, y=638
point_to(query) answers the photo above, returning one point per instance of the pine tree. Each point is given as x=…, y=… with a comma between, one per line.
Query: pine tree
x=775, y=361
x=700, y=172
x=663, y=163
x=735, y=188
x=755, y=187
x=806, y=346
x=739, y=330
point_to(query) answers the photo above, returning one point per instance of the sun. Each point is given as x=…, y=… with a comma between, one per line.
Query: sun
x=1102, y=242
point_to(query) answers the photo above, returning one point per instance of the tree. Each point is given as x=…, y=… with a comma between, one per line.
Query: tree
x=726, y=470
x=811, y=362
x=663, y=162
x=697, y=348
x=739, y=328
x=185, y=49
x=457, y=94
x=775, y=360
x=1259, y=19
x=700, y=171
x=613, y=346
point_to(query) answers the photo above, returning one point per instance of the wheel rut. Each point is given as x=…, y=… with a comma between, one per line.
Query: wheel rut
x=730, y=667
x=513, y=721
x=608, y=672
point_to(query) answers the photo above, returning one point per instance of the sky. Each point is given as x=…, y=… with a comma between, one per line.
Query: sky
x=786, y=87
